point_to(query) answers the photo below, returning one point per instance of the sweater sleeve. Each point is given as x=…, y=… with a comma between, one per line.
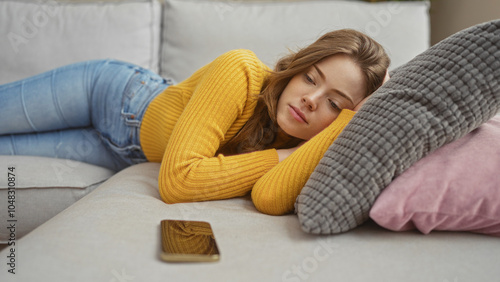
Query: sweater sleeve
x=275, y=193
x=190, y=171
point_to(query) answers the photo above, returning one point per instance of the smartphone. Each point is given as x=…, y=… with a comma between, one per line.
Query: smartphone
x=188, y=241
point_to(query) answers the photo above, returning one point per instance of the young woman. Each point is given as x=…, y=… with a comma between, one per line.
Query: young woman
x=233, y=126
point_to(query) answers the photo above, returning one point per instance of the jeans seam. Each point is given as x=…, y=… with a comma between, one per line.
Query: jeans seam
x=56, y=101
x=25, y=110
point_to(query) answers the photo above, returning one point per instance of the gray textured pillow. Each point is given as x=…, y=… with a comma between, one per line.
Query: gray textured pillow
x=436, y=98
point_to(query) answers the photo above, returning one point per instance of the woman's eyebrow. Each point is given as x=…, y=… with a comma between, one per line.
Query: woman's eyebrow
x=336, y=90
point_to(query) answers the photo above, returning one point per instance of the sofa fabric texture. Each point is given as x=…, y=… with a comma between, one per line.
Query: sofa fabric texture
x=436, y=98
x=42, y=187
x=38, y=36
x=196, y=32
x=113, y=234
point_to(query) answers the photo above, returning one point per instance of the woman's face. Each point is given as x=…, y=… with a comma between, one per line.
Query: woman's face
x=312, y=100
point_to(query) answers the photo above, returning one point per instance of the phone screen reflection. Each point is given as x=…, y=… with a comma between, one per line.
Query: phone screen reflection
x=188, y=241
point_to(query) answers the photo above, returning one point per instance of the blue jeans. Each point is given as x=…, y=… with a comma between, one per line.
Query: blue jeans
x=89, y=112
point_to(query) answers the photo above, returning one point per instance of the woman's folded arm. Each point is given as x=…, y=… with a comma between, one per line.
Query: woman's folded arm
x=190, y=170
x=275, y=192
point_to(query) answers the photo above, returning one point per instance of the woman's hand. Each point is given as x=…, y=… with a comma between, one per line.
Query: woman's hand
x=284, y=153
x=358, y=106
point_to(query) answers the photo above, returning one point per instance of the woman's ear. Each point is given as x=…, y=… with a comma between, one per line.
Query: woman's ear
x=387, y=77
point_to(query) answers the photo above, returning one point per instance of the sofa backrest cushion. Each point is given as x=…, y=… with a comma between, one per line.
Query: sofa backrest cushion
x=41, y=35
x=196, y=32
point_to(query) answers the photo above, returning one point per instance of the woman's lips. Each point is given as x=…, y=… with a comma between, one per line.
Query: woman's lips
x=297, y=114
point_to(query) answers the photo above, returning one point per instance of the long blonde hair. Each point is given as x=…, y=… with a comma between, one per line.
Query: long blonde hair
x=261, y=129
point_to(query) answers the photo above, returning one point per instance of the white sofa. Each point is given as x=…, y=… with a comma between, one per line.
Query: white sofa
x=70, y=221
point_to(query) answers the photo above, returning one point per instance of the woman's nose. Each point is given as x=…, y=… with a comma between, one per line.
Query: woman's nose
x=311, y=101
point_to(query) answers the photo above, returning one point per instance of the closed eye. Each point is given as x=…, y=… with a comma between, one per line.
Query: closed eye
x=309, y=79
x=334, y=105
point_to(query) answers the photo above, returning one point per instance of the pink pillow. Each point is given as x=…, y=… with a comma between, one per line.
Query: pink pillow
x=456, y=188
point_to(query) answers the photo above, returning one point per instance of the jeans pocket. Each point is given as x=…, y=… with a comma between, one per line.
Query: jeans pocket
x=130, y=154
x=141, y=89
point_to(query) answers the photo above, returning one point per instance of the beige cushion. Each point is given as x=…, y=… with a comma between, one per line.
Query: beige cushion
x=196, y=32
x=40, y=35
x=43, y=188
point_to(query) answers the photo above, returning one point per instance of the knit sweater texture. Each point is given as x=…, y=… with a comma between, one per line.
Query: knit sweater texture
x=185, y=125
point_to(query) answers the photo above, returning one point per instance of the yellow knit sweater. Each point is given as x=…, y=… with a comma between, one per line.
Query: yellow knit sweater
x=186, y=124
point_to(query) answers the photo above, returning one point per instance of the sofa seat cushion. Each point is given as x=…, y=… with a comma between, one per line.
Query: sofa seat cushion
x=113, y=234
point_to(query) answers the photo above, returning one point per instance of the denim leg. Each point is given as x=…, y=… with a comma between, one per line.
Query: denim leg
x=46, y=114
x=53, y=100
x=78, y=144
x=118, y=108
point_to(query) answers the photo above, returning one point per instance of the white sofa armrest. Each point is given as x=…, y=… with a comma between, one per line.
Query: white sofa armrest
x=35, y=189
